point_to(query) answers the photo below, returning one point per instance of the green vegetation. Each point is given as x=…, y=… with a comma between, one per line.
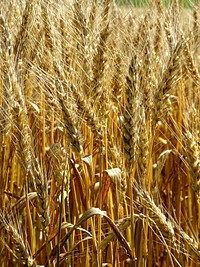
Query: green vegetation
x=143, y=3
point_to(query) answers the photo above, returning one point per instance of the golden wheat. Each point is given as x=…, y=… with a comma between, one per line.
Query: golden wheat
x=99, y=134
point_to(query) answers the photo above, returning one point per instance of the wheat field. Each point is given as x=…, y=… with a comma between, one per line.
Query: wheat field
x=99, y=134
